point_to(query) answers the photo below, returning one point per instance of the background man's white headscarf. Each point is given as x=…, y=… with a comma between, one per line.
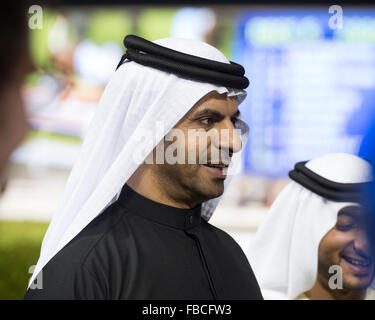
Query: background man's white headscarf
x=284, y=251
x=134, y=100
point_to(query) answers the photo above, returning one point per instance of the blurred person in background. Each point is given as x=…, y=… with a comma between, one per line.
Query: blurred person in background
x=315, y=240
x=367, y=151
x=15, y=64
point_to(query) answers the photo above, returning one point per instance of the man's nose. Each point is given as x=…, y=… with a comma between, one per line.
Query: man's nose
x=229, y=138
x=361, y=243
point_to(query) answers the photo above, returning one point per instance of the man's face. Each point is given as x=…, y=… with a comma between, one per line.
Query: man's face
x=214, y=118
x=347, y=245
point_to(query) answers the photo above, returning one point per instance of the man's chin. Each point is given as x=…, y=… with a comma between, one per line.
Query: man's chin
x=353, y=282
x=214, y=189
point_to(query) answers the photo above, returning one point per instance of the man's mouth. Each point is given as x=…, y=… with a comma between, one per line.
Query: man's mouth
x=219, y=165
x=218, y=170
x=358, y=262
x=359, y=265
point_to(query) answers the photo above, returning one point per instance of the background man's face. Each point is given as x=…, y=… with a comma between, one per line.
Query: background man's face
x=347, y=244
x=203, y=180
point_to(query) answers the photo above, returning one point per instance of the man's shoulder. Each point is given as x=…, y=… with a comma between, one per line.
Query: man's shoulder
x=73, y=264
x=221, y=234
x=93, y=235
x=212, y=228
x=73, y=255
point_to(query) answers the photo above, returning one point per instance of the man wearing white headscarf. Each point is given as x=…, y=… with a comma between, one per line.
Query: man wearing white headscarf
x=315, y=240
x=129, y=229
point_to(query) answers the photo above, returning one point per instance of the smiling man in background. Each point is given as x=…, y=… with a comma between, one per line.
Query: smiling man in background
x=315, y=241
x=347, y=246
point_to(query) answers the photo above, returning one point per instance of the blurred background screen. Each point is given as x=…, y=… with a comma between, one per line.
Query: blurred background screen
x=310, y=93
x=309, y=84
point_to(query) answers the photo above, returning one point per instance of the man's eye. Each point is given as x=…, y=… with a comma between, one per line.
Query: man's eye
x=344, y=227
x=207, y=121
x=235, y=122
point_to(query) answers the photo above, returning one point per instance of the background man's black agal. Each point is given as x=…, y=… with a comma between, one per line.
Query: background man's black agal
x=343, y=192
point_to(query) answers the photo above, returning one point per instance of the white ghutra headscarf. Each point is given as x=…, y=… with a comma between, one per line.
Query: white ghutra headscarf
x=284, y=251
x=135, y=98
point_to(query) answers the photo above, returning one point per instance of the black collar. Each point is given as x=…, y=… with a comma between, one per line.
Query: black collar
x=158, y=212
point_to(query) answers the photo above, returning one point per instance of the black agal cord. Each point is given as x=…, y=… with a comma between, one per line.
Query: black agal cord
x=343, y=192
x=185, y=65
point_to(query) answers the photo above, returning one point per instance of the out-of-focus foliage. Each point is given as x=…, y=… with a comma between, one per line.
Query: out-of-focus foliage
x=19, y=249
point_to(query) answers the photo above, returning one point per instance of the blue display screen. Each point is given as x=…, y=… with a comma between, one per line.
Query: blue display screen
x=311, y=85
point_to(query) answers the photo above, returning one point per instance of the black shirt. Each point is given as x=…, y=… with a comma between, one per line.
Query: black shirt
x=141, y=249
